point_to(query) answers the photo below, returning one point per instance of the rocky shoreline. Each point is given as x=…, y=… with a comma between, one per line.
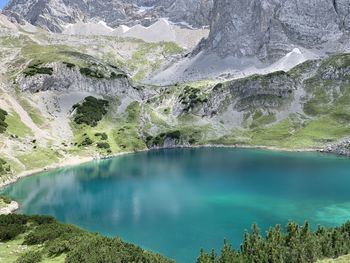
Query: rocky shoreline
x=9, y=208
x=341, y=148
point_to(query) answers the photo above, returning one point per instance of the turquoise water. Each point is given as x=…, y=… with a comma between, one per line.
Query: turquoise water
x=177, y=201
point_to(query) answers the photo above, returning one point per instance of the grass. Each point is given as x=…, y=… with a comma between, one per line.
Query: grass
x=11, y=250
x=143, y=62
x=121, y=132
x=34, y=113
x=343, y=259
x=16, y=126
x=39, y=158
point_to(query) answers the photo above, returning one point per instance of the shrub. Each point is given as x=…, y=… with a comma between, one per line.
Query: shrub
x=103, y=145
x=159, y=139
x=91, y=73
x=86, y=142
x=34, y=69
x=3, y=124
x=103, y=136
x=69, y=65
x=101, y=249
x=41, y=220
x=11, y=231
x=57, y=247
x=91, y=111
x=30, y=257
x=48, y=232
x=6, y=199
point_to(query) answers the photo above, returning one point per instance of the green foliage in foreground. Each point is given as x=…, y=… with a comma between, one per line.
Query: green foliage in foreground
x=298, y=245
x=3, y=124
x=91, y=111
x=46, y=238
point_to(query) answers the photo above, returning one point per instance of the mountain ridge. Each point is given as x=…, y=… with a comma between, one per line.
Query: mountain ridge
x=53, y=15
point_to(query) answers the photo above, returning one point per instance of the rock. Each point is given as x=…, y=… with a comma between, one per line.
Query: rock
x=54, y=15
x=268, y=29
x=10, y=208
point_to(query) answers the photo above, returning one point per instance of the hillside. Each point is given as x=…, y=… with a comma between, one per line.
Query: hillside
x=45, y=76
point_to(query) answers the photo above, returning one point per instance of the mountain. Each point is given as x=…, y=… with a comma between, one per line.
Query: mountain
x=54, y=15
x=268, y=29
x=51, y=83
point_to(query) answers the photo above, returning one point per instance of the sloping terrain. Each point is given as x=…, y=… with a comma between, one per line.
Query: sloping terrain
x=47, y=77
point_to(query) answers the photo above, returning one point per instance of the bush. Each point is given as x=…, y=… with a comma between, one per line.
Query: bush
x=57, y=247
x=159, y=139
x=102, y=249
x=3, y=124
x=69, y=65
x=103, y=136
x=6, y=199
x=48, y=232
x=30, y=257
x=11, y=219
x=91, y=111
x=11, y=231
x=42, y=220
x=34, y=69
x=91, y=73
x=86, y=142
x=103, y=145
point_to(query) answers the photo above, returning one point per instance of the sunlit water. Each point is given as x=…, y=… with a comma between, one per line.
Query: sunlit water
x=177, y=201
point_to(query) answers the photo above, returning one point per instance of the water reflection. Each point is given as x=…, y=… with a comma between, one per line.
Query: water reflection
x=177, y=201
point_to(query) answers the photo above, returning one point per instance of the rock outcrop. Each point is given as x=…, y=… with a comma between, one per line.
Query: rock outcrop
x=268, y=29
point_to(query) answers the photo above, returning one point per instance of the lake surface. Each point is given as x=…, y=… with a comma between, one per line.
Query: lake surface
x=177, y=201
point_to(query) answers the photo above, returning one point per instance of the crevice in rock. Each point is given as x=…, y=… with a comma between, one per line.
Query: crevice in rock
x=335, y=5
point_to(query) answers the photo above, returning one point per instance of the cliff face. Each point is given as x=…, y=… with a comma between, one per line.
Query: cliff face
x=270, y=28
x=53, y=15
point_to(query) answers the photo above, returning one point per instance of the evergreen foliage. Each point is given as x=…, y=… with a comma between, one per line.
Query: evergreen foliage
x=91, y=111
x=35, y=68
x=298, y=245
x=79, y=246
x=3, y=124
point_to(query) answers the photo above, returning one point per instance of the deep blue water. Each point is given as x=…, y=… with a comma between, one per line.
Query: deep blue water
x=177, y=201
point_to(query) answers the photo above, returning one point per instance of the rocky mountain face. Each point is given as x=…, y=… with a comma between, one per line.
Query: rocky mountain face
x=53, y=15
x=269, y=29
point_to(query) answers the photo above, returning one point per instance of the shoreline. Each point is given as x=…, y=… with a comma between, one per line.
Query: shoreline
x=76, y=160
x=9, y=208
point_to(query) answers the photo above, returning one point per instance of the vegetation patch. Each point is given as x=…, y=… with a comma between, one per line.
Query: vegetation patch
x=91, y=111
x=191, y=97
x=102, y=135
x=16, y=126
x=5, y=168
x=162, y=137
x=297, y=244
x=39, y=158
x=92, y=73
x=69, y=65
x=46, y=240
x=5, y=199
x=3, y=124
x=35, y=68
